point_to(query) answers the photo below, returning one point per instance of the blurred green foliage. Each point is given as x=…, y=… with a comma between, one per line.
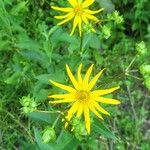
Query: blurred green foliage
x=34, y=50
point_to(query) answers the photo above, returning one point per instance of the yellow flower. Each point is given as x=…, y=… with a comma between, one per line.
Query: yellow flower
x=79, y=12
x=82, y=98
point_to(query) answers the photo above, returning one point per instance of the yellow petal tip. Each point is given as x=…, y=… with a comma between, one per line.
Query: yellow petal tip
x=118, y=103
x=51, y=81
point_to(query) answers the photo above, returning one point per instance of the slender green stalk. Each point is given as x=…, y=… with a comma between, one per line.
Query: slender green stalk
x=81, y=43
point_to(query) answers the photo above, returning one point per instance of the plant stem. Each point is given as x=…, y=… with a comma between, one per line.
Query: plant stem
x=81, y=43
x=127, y=69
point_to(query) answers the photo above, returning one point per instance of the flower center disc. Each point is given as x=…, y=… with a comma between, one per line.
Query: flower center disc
x=82, y=95
x=78, y=10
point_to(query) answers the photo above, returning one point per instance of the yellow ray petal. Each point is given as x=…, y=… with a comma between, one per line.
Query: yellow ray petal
x=73, y=3
x=64, y=16
x=87, y=3
x=107, y=100
x=72, y=78
x=61, y=96
x=88, y=73
x=104, y=92
x=62, y=9
x=92, y=12
x=84, y=19
x=71, y=111
x=99, y=108
x=80, y=111
x=91, y=17
x=75, y=23
x=80, y=25
x=95, y=112
x=87, y=119
x=64, y=87
x=61, y=101
x=94, y=80
x=65, y=20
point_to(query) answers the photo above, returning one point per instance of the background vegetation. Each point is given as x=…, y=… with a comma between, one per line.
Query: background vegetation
x=34, y=50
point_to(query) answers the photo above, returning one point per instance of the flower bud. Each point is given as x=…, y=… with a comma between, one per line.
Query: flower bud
x=49, y=135
x=145, y=69
x=33, y=104
x=25, y=100
x=87, y=28
x=28, y=103
x=79, y=128
x=115, y=16
x=25, y=110
x=106, y=31
x=141, y=48
x=147, y=82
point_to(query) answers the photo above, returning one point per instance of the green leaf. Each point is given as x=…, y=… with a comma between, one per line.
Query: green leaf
x=95, y=42
x=44, y=78
x=14, y=79
x=4, y=45
x=18, y=8
x=107, y=4
x=30, y=147
x=41, y=95
x=43, y=116
x=66, y=141
x=36, y=56
x=86, y=40
x=97, y=55
x=24, y=42
x=99, y=127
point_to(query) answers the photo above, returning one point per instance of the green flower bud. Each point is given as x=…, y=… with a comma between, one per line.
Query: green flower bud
x=33, y=104
x=49, y=135
x=115, y=16
x=147, y=82
x=145, y=69
x=25, y=100
x=106, y=31
x=26, y=110
x=118, y=19
x=87, y=28
x=28, y=103
x=141, y=48
x=75, y=121
x=79, y=128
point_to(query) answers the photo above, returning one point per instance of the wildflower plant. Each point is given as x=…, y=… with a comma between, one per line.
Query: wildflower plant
x=53, y=96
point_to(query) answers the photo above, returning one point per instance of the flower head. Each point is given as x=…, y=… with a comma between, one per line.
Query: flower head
x=79, y=12
x=82, y=97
